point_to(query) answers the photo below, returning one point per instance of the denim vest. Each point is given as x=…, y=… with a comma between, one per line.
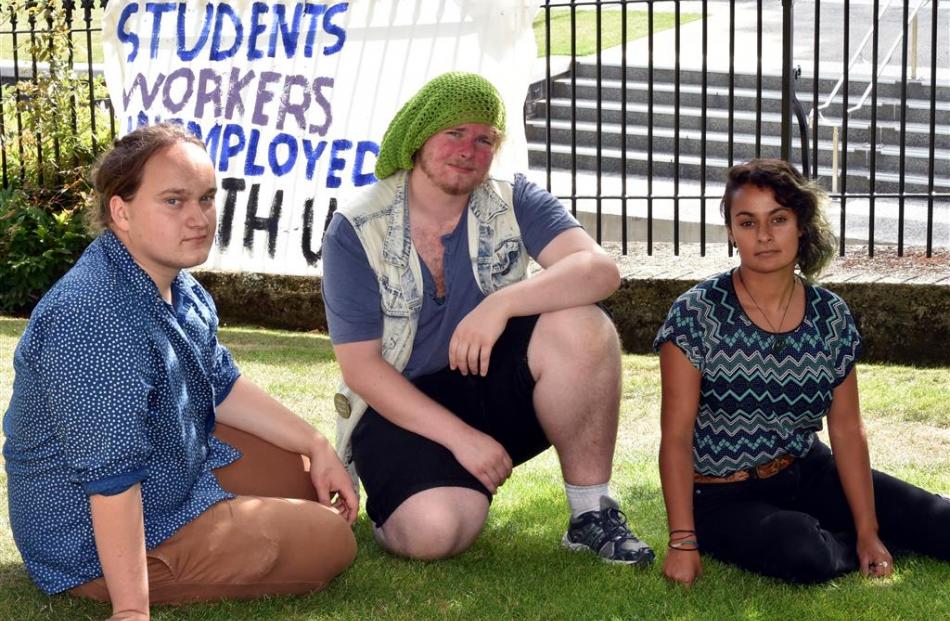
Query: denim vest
x=380, y=217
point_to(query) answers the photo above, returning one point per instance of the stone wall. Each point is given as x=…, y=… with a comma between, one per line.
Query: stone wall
x=269, y=300
x=904, y=323
x=908, y=324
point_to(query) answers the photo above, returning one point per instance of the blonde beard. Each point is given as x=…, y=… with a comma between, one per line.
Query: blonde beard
x=450, y=189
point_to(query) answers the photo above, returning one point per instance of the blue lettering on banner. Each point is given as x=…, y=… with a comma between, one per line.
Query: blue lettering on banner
x=289, y=33
x=336, y=162
x=157, y=9
x=127, y=36
x=183, y=52
x=220, y=33
x=216, y=52
x=313, y=11
x=312, y=153
x=282, y=168
x=257, y=9
x=251, y=167
x=330, y=28
x=359, y=177
x=232, y=148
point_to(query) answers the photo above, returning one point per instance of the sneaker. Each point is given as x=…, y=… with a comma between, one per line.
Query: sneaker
x=606, y=534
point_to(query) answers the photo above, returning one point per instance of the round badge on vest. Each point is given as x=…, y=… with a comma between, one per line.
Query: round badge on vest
x=342, y=405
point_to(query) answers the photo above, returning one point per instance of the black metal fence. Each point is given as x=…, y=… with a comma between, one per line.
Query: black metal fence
x=639, y=107
x=637, y=137
x=32, y=40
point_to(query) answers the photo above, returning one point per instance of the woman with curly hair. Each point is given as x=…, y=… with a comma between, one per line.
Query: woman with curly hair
x=752, y=361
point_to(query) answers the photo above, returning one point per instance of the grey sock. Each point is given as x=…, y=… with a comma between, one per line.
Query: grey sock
x=584, y=498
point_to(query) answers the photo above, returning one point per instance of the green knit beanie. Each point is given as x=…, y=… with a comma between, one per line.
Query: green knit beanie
x=448, y=100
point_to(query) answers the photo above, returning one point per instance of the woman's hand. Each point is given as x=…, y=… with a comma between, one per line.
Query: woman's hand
x=682, y=566
x=875, y=560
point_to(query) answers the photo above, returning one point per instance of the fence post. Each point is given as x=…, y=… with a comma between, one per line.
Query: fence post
x=788, y=78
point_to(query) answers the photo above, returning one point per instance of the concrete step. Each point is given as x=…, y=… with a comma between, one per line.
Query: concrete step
x=743, y=121
x=664, y=93
x=916, y=89
x=688, y=166
x=719, y=143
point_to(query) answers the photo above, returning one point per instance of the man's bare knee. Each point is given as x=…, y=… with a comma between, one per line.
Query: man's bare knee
x=582, y=334
x=434, y=524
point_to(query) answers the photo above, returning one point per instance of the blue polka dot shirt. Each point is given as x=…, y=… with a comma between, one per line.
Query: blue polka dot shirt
x=114, y=386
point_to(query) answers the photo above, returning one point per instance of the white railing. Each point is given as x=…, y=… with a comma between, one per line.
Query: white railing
x=816, y=113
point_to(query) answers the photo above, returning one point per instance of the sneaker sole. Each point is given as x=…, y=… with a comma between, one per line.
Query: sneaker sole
x=645, y=561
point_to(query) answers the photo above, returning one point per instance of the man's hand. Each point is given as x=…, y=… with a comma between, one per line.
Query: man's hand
x=875, y=560
x=331, y=479
x=473, y=339
x=683, y=566
x=484, y=458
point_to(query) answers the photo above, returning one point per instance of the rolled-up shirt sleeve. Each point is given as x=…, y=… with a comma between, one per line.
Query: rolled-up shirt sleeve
x=92, y=365
x=223, y=373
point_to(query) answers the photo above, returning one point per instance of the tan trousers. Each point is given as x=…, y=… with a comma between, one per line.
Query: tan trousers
x=274, y=538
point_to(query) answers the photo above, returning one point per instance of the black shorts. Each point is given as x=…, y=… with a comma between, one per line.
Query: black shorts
x=394, y=464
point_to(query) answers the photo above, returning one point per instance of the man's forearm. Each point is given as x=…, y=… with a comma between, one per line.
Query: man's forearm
x=396, y=399
x=578, y=279
x=119, y=529
x=250, y=409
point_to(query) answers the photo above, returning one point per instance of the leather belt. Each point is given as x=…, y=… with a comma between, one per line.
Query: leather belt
x=761, y=471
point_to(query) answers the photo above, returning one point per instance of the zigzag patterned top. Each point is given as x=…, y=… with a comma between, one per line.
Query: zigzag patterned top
x=762, y=394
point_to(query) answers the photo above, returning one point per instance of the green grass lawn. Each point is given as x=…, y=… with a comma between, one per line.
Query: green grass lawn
x=585, y=28
x=517, y=570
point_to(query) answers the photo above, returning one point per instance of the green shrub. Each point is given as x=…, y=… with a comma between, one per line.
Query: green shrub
x=51, y=134
x=50, y=138
x=41, y=235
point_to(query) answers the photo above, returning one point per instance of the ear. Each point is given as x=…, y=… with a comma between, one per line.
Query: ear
x=119, y=213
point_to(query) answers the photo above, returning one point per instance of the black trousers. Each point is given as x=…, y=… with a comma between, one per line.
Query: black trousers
x=797, y=525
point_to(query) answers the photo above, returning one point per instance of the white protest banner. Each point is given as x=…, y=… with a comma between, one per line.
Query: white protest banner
x=293, y=98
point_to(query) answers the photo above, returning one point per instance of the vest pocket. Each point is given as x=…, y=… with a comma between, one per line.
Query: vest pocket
x=393, y=299
x=508, y=262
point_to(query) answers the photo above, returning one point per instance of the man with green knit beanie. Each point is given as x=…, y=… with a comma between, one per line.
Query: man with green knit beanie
x=457, y=367
x=448, y=100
